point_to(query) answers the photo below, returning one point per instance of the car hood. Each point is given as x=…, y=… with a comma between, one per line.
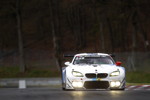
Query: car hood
x=94, y=68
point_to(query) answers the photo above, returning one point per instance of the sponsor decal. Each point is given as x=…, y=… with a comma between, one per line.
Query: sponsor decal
x=96, y=79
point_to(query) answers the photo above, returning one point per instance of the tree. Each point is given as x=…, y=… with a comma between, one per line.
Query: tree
x=77, y=22
x=20, y=37
x=55, y=27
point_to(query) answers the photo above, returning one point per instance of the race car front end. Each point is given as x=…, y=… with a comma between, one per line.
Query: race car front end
x=99, y=80
x=93, y=71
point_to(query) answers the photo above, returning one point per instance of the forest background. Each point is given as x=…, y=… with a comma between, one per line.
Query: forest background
x=35, y=34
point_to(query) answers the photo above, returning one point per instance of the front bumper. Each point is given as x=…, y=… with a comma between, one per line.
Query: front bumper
x=85, y=83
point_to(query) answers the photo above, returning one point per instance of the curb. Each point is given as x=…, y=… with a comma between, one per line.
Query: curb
x=138, y=87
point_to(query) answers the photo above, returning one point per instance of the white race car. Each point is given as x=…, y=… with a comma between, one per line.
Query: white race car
x=93, y=71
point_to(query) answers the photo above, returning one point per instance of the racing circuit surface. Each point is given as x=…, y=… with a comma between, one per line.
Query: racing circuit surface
x=57, y=94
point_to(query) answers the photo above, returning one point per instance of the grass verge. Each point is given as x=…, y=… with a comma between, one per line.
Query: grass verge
x=13, y=72
x=138, y=77
x=128, y=84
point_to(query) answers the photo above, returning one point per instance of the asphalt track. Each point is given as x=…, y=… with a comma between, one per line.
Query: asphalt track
x=57, y=94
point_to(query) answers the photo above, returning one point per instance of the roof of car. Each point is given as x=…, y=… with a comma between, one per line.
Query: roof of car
x=98, y=54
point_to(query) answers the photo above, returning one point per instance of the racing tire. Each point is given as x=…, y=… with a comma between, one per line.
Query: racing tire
x=118, y=89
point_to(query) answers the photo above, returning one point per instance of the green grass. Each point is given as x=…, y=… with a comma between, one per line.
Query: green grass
x=138, y=77
x=13, y=72
x=127, y=84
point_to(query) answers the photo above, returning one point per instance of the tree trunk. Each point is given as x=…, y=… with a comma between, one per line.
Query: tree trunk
x=134, y=40
x=20, y=38
x=76, y=23
x=55, y=31
x=111, y=35
x=143, y=32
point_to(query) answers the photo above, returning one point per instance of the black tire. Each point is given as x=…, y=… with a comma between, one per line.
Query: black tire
x=122, y=89
x=118, y=89
x=64, y=89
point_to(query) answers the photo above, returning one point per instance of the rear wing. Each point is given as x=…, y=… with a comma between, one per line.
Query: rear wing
x=68, y=55
x=112, y=55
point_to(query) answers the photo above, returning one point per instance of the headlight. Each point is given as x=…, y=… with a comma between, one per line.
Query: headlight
x=115, y=73
x=115, y=83
x=77, y=74
x=77, y=84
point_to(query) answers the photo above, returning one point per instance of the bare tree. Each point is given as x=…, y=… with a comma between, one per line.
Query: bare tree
x=76, y=20
x=55, y=26
x=99, y=17
x=140, y=26
x=20, y=37
x=111, y=34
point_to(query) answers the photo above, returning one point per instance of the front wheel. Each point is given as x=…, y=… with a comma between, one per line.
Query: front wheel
x=122, y=89
x=118, y=89
x=64, y=89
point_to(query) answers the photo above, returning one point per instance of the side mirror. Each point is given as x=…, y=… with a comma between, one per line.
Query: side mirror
x=118, y=63
x=67, y=63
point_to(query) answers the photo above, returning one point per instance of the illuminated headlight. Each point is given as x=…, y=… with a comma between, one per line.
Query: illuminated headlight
x=115, y=73
x=115, y=83
x=77, y=84
x=77, y=74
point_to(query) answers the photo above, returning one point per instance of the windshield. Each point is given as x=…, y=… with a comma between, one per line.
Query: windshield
x=93, y=60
